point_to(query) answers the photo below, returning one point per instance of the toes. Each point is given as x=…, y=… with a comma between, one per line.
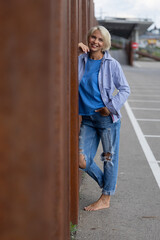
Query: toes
x=86, y=208
x=89, y=208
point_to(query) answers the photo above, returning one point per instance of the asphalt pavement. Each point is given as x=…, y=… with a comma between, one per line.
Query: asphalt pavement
x=134, y=213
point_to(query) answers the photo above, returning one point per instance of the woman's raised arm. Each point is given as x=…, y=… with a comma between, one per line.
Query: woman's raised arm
x=83, y=48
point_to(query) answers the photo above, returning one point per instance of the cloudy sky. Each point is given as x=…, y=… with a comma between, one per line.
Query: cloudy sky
x=129, y=9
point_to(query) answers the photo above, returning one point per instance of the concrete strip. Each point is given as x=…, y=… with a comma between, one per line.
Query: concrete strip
x=146, y=149
x=146, y=109
x=153, y=136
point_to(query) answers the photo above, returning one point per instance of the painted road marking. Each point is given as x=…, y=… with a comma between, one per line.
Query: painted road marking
x=146, y=148
x=149, y=120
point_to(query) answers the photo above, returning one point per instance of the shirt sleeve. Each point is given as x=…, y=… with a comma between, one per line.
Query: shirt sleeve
x=123, y=88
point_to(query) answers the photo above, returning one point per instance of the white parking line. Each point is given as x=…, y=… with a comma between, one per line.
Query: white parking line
x=146, y=148
x=148, y=120
x=146, y=109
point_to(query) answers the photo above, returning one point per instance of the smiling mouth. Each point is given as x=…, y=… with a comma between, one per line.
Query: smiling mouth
x=94, y=46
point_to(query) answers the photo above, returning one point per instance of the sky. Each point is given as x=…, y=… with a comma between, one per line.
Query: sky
x=129, y=9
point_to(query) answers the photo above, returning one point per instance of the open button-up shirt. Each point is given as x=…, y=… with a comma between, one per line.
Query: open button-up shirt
x=110, y=77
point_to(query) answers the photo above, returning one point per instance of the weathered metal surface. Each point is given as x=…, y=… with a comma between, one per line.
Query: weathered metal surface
x=39, y=117
x=74, y=124
x=34, y=111
x=85, y=26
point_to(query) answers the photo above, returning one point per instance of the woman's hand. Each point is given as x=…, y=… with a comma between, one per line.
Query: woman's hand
x=103, y=111
x=83, y=48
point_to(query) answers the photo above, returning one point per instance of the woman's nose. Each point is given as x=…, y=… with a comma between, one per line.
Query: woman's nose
x=96, y=40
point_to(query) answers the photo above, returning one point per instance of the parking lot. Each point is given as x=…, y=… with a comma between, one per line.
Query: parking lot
x=143, y=108
x=134, y=213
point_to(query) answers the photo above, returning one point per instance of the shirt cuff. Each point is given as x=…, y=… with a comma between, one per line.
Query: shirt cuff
x=111, y=108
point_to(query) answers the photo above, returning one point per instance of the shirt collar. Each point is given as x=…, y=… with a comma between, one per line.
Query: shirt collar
x=106, y=56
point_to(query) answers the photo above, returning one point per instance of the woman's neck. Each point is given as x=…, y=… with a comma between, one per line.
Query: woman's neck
x=96, y=55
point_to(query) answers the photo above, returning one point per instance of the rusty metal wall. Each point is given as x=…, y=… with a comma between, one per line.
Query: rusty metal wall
x=39, y=122
x=74, y=121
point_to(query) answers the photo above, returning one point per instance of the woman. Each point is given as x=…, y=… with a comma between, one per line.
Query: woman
x=99, y=76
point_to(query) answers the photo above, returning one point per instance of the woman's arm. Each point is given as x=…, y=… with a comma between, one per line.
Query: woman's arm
x=82, y=48
x=123, y=88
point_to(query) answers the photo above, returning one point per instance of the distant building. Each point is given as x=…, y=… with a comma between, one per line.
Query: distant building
x=150, y=38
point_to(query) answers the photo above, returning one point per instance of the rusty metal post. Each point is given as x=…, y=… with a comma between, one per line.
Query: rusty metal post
x=93, y=20
x=85, y=26
x=34, y=134
x=90, y=13
x=86, y=18
x=39, y=117
x=79, y=20
x=74, y=124
x=129, y=51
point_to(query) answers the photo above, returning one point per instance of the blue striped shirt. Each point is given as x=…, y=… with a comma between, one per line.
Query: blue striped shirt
x=110, y=77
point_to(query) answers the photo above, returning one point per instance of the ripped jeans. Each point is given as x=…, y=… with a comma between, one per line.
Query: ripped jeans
x=93, y=129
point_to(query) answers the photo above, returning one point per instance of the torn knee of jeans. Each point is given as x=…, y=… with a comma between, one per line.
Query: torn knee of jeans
x=106, y=156
x=81, y=154
x=82, y=159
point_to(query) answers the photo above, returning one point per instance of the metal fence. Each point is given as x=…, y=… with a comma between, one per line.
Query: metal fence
x=39, y=116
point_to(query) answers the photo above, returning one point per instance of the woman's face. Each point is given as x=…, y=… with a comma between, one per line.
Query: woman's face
x=95, y=41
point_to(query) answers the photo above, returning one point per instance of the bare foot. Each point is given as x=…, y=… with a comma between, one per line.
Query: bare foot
x=103, y=202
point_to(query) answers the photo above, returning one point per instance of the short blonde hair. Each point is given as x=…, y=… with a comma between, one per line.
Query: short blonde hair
x=105, y=34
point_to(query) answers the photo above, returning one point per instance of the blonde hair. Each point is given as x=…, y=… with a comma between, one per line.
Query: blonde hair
x=105, y=34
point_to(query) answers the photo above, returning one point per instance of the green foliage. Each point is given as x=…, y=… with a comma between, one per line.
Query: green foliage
x=73, y=229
